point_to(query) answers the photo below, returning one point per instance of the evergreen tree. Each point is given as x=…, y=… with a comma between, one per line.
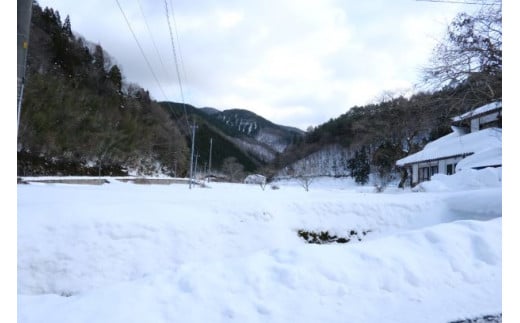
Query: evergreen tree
x=67, y=27
x=359, y=166
x=99, y=58
x=384, y=159
x=114, y=75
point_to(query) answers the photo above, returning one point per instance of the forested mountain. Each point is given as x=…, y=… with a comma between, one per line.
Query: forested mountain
x=209, y=137
x=251, y=132
x=78, y=117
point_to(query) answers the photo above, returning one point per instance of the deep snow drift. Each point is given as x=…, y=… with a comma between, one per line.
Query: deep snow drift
x=123, y=252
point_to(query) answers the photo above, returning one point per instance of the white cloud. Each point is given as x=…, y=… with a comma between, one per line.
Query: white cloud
x=228, y=19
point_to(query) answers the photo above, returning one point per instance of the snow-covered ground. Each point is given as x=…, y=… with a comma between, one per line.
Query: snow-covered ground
x=124, y=252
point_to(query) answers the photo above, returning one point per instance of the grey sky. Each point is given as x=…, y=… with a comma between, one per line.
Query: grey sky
x=294, y=62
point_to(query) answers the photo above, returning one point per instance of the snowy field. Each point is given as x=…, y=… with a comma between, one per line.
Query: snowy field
x=125, y=252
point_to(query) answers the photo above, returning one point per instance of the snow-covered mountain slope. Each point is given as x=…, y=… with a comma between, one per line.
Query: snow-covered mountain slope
x=239, y=123
x=329, y=161
x=242, y=134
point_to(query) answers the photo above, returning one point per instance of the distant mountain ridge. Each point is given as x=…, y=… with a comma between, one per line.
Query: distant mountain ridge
x=242, y=117
x=258, y=138
x=246, y=124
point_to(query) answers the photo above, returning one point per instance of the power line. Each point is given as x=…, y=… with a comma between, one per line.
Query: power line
x=157, y=80
x=142, y=51
x=148, y=62
x=176, y=62
x=140, y=48
x=178, y=42
x=151, y=35
x=193, y=127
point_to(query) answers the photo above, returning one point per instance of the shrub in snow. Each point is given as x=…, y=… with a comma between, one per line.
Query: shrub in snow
x=323, y=237
x=305, y=181
x=66, y=293
x=256, y=179
x=483, y=319
x=21, y=181
x=233, y=169
x=379, y=188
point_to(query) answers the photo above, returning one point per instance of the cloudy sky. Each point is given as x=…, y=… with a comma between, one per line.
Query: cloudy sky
x=294, y=62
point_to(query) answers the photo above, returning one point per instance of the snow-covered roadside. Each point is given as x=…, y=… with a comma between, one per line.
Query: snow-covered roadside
x=133, y=253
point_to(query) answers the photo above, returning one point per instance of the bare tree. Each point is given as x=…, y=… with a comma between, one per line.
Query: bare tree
x=305, y=181
x=471, y=53
x=305, y=171
x=232, y=168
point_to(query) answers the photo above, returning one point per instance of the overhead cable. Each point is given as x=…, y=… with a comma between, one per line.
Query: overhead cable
x=141, y=49
x=176, y=62
x=151, y=35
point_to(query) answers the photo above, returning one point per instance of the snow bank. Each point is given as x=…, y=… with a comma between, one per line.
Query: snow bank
x=122, y=252
x=466, y=179
x=422, y=276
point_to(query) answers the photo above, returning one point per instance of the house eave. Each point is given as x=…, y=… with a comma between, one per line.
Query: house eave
x=486, y=166
x=474, y=116
x=463, y=155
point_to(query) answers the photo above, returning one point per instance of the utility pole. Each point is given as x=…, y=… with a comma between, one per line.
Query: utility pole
x=23, y=28
x=210, y=148
x=192, y=150
x=196, y=162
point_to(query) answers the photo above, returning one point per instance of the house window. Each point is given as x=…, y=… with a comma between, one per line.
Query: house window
x=424, y=174
x=434, y=170
x=449, y=169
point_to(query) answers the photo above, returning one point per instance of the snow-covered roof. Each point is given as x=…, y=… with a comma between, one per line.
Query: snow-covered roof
x=455, y=144
x=480, y=110
x=488, y=157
